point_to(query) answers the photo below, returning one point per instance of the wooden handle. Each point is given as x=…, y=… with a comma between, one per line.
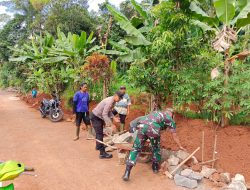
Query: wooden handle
x=106, y=144
x=184, y=161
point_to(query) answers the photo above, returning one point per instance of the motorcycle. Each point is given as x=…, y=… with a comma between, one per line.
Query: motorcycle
x=11, y=170
x=52, y=109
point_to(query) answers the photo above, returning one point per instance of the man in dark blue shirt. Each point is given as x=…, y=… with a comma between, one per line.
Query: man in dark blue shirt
x=81, y=109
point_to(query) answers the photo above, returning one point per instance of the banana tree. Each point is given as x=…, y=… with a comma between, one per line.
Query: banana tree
x=130, y=48
x=64, y=53
x=231, y=17
x=46, y=49
x=133, y=47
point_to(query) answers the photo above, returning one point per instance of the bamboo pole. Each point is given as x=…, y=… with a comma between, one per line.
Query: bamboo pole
x=214, y=151
x=170, y=174
x=202, y=146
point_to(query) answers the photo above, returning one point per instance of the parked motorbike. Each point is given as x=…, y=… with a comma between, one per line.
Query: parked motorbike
x=52, y=109
x=11, y=170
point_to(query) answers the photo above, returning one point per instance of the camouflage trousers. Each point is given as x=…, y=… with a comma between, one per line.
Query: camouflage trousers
x=144, y=133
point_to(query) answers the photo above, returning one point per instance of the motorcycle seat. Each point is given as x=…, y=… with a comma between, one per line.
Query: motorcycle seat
x=46, y=102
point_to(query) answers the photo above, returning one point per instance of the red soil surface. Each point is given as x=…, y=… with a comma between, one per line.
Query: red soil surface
x=233, y=142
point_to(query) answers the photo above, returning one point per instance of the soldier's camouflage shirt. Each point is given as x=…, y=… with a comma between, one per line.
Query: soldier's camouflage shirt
x=157, y=121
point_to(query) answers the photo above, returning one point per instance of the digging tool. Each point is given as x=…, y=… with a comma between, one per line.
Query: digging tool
x=170, y=174
x=106, y=144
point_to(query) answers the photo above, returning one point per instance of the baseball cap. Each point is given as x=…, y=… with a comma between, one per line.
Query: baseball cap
x=122, y=87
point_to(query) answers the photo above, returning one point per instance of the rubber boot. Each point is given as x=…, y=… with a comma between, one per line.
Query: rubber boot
x=122, y=127
x=127, y=173
x=89, y=135
x=93, y=131
x=77, y=133
x=104, y=154
x=155, y=167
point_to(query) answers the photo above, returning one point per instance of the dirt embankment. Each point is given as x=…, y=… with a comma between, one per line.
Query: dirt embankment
x=233, y=144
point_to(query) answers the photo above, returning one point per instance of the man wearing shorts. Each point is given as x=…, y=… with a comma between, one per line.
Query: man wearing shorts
x=81, y=109
x=122, y=107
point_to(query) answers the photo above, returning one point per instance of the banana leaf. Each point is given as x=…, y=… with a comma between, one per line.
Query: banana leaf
x=199, y=14
x=54, y=59
x=203, y=26
x=225, y=10
x=128, y=27
x=20, y=59
x=112, y=52
x=119, y=46
x=243, y=18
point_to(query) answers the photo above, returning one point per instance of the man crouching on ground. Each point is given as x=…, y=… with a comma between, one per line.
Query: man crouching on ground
x=101, y=115
x=149, y=127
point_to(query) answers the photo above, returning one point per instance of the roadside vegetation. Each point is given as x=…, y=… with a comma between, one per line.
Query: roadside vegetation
x=192, y=54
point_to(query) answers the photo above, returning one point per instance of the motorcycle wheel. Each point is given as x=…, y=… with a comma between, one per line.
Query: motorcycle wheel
x=55, y=116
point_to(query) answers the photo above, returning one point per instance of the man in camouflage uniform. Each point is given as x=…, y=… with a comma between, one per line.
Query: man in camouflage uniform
x=149, y=127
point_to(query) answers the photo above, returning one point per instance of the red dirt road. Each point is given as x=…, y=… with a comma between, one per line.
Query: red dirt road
x=62, y=164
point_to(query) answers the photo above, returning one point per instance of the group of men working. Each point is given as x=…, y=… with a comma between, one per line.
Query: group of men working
x=104, y=114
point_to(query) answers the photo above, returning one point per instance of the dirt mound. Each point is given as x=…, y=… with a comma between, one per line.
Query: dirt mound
x=233, y=144
x=35, y=102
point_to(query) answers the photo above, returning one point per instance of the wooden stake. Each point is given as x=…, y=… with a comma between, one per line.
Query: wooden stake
x=202, y=146
x=170, y=174
x=214, y=151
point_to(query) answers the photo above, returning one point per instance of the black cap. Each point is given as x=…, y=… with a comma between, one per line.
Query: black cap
x=122, y=87
x=120, y=94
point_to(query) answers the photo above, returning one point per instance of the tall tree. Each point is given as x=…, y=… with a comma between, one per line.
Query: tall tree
x=70, y=16
x=127, y=9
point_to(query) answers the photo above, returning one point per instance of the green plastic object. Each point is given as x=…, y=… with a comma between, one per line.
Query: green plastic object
x=9, y=187
x=10, y=170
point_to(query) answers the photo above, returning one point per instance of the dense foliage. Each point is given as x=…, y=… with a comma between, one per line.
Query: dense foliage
x=165, y=48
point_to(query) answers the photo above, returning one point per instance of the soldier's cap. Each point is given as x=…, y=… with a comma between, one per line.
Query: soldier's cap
x=119, y=94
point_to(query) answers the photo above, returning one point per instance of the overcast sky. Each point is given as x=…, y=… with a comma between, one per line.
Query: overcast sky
x=93, y=4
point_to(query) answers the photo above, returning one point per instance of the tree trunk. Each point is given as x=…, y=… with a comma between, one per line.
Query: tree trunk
x=224, y=119
x=155, y=102
x=105, y=90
